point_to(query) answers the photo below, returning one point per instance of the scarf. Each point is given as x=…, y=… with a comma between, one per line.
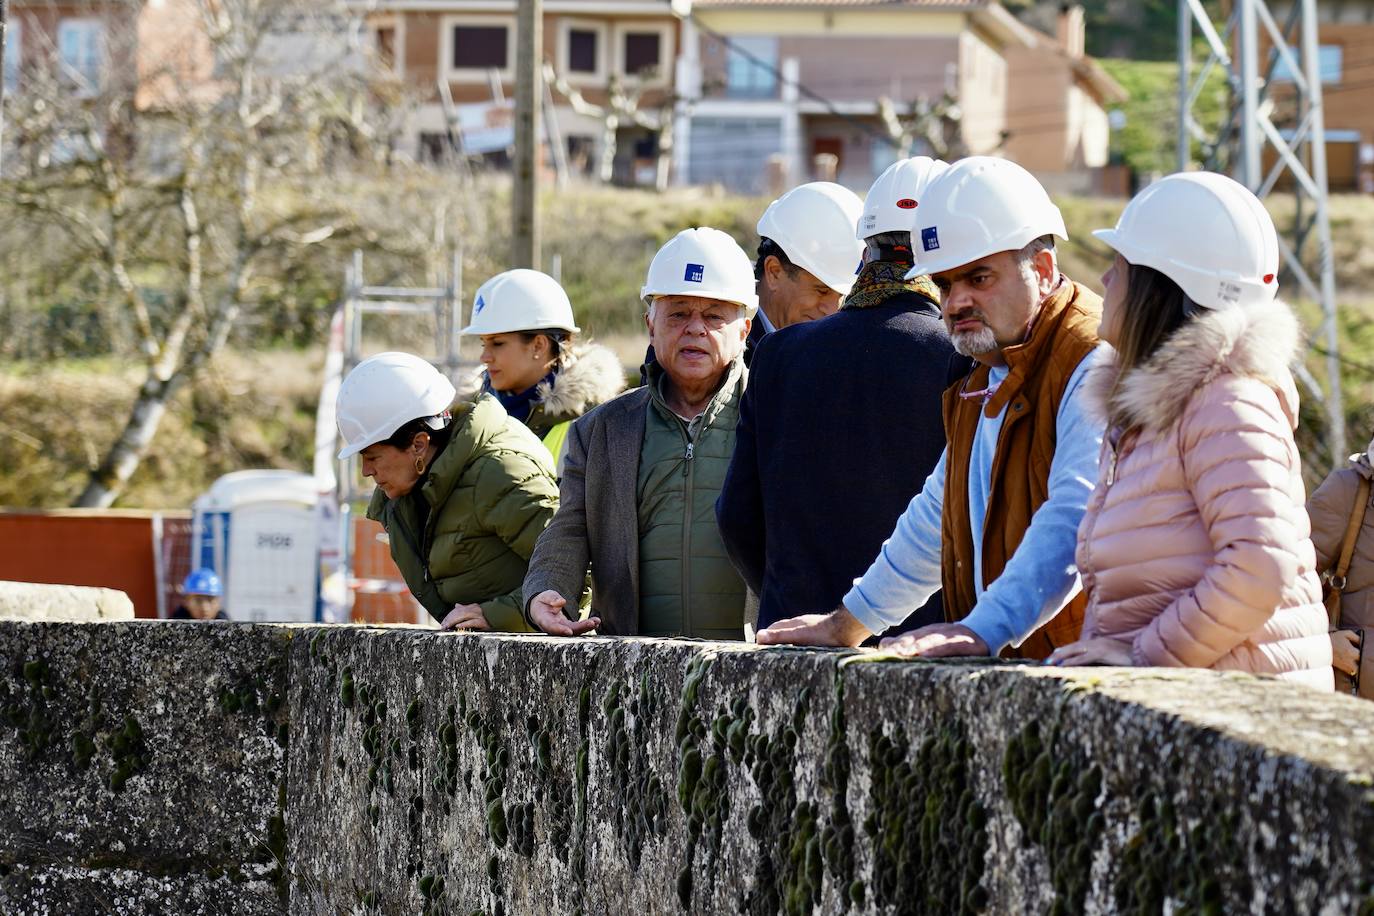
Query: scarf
x=881, y=280
x=518, y=404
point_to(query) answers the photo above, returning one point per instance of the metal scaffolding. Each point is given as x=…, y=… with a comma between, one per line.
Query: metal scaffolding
x=1265, y=47
x=441, y=304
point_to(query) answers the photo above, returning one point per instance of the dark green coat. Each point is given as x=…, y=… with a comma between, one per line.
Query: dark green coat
x=489, y=495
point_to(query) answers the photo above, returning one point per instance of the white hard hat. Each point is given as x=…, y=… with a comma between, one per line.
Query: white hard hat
x=384, y=393
x=520, y=300
x=702, y=262
x=892, y=201
x=980, y=206
x=1205, y=232
x=811, y=223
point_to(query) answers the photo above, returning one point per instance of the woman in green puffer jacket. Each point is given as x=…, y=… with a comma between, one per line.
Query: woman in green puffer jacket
x=463, y=490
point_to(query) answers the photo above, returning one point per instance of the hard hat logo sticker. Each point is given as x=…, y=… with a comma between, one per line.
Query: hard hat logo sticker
x=481, y=304
x=930, y=238
x=696, y=273
x=906, y=203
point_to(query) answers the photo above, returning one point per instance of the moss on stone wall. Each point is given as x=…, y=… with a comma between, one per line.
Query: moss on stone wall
x=926, y=823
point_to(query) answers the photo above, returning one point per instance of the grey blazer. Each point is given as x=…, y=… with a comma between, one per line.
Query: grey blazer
x=597, y=522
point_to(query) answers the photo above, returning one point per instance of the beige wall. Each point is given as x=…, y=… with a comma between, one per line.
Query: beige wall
x=982, y=93
x=175, y=60
x=1053, y=123
x=1038, y=115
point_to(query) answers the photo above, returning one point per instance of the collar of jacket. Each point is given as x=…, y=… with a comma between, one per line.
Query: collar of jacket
x=1023, y=358
x=519, y=403
x=473, y=422
x=879, y=281
x=1257, y=341
x=591, y=375
x=734, y=377
x=1363, y=464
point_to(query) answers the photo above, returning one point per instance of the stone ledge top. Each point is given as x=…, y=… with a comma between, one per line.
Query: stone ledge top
x=1325, y=730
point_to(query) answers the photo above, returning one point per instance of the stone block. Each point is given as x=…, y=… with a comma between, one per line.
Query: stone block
x=36, y=601
x=144, y=761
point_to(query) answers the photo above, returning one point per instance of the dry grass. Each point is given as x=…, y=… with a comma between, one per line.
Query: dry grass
x=248, y=411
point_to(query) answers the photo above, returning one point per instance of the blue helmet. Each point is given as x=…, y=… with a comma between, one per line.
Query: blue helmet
x=203, y=581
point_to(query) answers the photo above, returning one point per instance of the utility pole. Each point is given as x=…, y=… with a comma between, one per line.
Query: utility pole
x=529, y=59
x=1277, y=83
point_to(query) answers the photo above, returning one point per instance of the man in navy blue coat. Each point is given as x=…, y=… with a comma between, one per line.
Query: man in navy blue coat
x=840, y=423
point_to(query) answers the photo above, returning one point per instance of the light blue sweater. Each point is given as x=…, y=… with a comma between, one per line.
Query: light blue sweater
x=1040, y=577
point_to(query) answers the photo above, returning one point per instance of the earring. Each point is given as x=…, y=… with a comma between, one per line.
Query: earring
x=419, y=464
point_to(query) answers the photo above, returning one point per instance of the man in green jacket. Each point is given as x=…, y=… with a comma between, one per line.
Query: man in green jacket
x=642, y=472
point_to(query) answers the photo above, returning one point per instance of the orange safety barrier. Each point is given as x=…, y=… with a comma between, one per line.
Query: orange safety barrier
x=379, y=593
x=110, y=549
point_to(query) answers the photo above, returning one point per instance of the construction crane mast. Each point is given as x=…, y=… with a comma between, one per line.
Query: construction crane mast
x=1274, y=135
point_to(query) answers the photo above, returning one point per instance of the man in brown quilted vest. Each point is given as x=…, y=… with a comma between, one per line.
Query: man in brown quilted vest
x=996, y=522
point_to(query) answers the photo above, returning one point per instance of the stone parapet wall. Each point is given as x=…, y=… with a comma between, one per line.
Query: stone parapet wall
x=348, y=769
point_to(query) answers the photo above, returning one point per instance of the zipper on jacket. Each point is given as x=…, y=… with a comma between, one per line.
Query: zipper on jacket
x=687, y=472
x=1097, y=503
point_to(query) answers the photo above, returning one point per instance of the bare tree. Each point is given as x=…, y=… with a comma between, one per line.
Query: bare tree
x=214, y=158
x=623, y=107
x=936, y=125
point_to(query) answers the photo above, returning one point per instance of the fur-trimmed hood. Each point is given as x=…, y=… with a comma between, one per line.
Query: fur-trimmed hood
x=591, y=375
x=1259, y=342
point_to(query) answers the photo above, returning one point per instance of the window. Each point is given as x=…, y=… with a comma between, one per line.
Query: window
x=582, y=46
x=473, y=46
x=480, y=47
x=751, y=66
x=1329, y=60
x=13, y=61
x=643, y=51
x=81, y=50
x=582, y=51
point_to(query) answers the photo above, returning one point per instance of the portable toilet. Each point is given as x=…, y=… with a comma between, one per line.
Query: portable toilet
x=259, y=530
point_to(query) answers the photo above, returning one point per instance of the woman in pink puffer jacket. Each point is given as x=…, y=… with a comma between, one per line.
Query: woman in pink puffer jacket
x=1195, y=548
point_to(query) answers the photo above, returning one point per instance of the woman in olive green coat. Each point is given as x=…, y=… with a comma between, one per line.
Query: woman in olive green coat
x=463, y=490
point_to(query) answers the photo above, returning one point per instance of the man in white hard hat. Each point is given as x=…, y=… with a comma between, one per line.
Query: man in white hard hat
x=808, y=255
x=871, y=374
x=807, y=258
x=643, y=470
x=995, y=525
